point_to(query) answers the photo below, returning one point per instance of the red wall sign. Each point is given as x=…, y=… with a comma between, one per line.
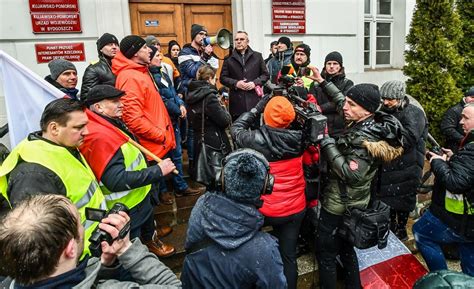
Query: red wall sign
x=55, y=16
x=289, y=17
x=69, y=51
x=56, y=22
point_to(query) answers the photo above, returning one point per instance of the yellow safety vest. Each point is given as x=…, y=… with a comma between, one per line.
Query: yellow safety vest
x=134, y=161
x=81, y=185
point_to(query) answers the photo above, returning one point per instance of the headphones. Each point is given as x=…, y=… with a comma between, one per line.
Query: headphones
x=269, y=178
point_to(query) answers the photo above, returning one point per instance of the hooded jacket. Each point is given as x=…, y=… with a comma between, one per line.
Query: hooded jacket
x=248, y=66
x=353, y=160
x=144, y=267
x=217, y=119
x=227, y=249
x=283, y=148
x=143, y=109
x=396, y=182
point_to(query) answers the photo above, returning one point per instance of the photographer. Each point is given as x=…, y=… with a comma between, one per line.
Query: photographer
x=42, y=241
x=450, y=218
x=283, y=147
x=353, y=161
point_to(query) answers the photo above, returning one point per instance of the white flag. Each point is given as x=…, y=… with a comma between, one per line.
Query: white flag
x=26, y=95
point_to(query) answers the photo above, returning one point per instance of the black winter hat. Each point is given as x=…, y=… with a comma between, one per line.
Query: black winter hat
x=195, y=29
x=394, y=89
x=333, y=56
x=153, y=51
x=105, y=39
x=101, y=92
x=58, y=66
x=304, y=48
x=285, y=40
x=366, y=95
x=244, y=177
x=131, y=44
x=469, y=92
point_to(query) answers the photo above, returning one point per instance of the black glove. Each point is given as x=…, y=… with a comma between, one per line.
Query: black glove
x=262, y=103
x=327, y=141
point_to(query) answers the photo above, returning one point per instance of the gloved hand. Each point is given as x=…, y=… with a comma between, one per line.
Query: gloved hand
x=262, y=103
x=327, y=141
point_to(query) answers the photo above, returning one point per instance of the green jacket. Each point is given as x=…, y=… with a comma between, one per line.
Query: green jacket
x=354, y=158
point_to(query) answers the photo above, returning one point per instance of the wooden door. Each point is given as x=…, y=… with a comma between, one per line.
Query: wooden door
x=172, y=20
x=165, y=21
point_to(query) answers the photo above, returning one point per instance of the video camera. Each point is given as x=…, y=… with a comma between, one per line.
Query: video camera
x=308, y=117
x=435, y=147
x=100, y=235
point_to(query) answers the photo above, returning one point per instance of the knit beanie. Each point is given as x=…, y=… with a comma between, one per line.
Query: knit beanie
x=105, y=39
x=393, y=90
x=131, y=44
x=366, y=95
x=195, y=29
x=285, y=40
x=58, y=66
x=304, y=48
x=151, y=40
x=153, y=52
x=278, y=112
x=333, y=56
x=244, y=177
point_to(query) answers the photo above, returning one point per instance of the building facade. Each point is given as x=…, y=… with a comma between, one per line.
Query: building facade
x=370, y=34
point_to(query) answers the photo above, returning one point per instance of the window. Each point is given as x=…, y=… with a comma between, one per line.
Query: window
x=378, y=33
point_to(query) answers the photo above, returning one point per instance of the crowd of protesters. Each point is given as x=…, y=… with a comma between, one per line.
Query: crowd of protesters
x=120, y=138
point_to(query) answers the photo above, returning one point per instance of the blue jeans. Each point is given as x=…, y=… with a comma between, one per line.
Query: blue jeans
x=176, y=155
x=430, y=232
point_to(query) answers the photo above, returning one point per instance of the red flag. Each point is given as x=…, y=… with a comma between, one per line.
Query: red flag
x=101, y=143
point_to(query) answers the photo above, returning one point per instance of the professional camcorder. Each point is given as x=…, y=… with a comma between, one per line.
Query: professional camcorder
x=308, y=117
x=100, y=235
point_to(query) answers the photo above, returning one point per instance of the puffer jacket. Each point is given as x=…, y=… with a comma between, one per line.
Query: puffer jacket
x=444, y=279
x=326, y=92
x=249, y=66
x=457, y=177
x=227, y=248
x=283, y=148
x=277, y=62
x=98, y=72
x=450, y=126
x=189, y=62
x=143, y=109
x=396, y=182
x=353, y=160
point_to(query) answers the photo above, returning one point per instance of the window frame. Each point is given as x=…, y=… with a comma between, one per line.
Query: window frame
x=373, y=20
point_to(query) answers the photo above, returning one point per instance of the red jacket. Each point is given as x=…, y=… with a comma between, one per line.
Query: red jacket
x=144, y=112
x=288, y=196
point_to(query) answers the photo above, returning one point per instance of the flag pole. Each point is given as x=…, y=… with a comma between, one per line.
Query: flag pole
x=148, y=153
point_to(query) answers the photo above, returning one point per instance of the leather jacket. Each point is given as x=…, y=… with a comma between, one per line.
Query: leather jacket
x=99, y=72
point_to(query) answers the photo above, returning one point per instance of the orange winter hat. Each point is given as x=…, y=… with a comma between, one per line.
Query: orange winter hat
x=279, y=112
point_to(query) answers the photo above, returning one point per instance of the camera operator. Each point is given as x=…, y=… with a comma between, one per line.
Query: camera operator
x=225, y=246
x=42, y=241
x=450, y=218
x=284, y=209
x=353, y=161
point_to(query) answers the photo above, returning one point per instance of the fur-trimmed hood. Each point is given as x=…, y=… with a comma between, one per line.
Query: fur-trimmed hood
x=382, y=150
